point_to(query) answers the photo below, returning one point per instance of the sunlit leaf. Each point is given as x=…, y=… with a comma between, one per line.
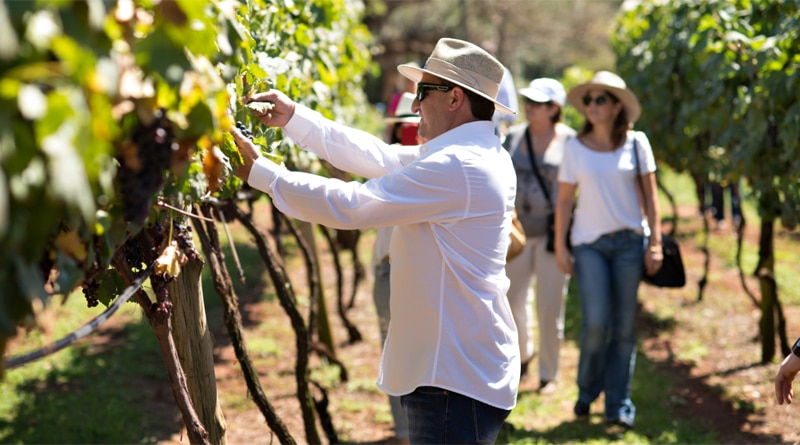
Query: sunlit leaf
x=170, y=261
x=70, y=242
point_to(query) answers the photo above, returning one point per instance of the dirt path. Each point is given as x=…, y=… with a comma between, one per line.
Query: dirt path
x=711, y=351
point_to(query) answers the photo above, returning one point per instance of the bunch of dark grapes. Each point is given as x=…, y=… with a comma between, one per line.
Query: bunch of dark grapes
x=245, y=131
x=90, y=289
x=156, y=234
x=142, y=176
x=182, y=233
x=162, y=307
x=134, y=254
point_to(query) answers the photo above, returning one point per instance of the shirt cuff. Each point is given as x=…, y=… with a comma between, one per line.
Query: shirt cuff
x=301, y=123
x=263, y=174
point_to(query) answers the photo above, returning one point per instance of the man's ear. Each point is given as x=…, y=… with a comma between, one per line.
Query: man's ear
x=457, y=97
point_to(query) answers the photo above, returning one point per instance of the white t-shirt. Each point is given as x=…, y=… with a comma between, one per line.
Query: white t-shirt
x=451, y=201
x=607, y=187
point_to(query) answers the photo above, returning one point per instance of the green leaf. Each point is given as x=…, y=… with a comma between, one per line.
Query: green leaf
x=111, y=285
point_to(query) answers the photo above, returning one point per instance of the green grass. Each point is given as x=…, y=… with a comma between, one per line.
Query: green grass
x=548, y=419
x=90, y=394
x=84, y=393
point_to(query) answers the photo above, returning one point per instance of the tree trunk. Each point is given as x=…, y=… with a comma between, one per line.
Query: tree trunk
x=195, y=348
x=323, y=324
x=766, y=278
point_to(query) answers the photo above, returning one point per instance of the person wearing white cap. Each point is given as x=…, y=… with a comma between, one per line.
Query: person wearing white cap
x=614, y=241
x=536, y=149
x=451, y=352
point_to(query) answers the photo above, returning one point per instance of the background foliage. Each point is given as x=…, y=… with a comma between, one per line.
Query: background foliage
x=78, y=78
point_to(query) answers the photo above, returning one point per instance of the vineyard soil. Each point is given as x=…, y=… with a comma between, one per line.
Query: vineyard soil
x=709, y=349
x=724, y=388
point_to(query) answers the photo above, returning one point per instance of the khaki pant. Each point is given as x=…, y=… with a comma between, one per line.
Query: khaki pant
x=535, y=262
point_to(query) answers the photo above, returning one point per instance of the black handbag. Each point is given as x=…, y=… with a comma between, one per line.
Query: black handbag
x=672, y=272
x=551, y=217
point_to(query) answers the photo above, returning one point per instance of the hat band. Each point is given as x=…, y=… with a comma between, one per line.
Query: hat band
x=478, y=83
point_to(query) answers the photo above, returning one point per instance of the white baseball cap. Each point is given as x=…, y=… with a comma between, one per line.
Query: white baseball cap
x=545, y=89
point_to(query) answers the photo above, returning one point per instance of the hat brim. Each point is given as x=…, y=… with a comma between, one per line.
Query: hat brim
x=535, y=95
x=402, y=119
x=415, y=73
x=628, y=99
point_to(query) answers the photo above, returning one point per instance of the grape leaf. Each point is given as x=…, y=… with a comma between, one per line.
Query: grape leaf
x=170, y=261
x=260, y=107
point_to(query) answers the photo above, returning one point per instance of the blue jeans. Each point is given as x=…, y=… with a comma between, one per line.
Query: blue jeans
x=608, y=272
x=438, y=416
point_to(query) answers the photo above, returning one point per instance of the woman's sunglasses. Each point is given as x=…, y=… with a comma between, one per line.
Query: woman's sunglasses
x=599, y=100
x=423, y=87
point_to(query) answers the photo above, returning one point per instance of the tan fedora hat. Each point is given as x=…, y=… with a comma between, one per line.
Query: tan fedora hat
x=608, y=81
x=464, y=64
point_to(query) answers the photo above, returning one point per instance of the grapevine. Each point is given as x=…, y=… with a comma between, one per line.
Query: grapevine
x=119, y=118
x=143, y=164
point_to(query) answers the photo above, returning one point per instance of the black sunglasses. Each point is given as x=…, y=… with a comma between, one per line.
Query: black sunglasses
x=599, y=100
x=422, y=87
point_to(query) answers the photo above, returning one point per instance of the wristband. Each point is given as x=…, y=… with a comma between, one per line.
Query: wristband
x=796, y=348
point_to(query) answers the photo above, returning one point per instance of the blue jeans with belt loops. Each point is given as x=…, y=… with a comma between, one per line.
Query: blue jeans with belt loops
x=608, y=272
x=439, y=416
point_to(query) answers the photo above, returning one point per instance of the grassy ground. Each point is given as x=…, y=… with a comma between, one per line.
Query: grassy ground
x=697, y=377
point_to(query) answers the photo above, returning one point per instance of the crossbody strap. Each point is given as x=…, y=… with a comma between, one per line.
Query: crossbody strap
x=639, y=174
x=536, y=169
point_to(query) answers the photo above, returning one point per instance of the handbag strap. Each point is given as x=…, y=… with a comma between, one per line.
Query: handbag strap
x=639, y=172
x=535, y=168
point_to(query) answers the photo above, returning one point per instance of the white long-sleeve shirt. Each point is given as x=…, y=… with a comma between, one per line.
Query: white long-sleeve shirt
x=451, y=200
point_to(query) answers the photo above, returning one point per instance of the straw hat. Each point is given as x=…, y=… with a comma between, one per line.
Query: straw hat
x=403, y=111
x=608, y=81
x=545, y=90
x=465, y=65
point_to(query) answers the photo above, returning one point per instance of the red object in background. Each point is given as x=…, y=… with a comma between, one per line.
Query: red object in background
x=408, y=133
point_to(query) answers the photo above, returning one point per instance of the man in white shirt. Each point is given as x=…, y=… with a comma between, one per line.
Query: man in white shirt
x=451, y=352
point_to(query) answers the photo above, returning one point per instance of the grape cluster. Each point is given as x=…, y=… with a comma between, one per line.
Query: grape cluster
x=182, y=233
x=162, y=307
x=138, y=181
x=90, y=289
x=244, y=130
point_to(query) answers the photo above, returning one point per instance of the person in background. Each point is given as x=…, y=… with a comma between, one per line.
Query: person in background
x=451, y=352
x=788, y=370
x=717, y=207
x=402, y=128
x=538, y=144
x=404, y=85
x=613, y=243
x=506, y=96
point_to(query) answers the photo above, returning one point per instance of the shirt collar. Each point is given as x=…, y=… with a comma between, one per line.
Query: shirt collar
x=464, y=133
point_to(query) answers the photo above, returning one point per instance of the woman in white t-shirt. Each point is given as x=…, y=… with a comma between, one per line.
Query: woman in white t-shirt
x=614, y=241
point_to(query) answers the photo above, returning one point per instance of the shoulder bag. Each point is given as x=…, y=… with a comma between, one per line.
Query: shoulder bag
x=551, y=220
x=672, y=273
x=517, y=238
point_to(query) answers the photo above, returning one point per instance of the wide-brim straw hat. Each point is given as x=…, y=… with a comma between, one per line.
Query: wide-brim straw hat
x=403, y=111
x=608, y=81
x=464, y=64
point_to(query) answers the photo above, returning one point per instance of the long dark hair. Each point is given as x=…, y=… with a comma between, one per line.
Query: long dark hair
x=621, y=125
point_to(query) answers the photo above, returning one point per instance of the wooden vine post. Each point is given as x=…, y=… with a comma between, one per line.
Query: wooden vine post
x=195, y=347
